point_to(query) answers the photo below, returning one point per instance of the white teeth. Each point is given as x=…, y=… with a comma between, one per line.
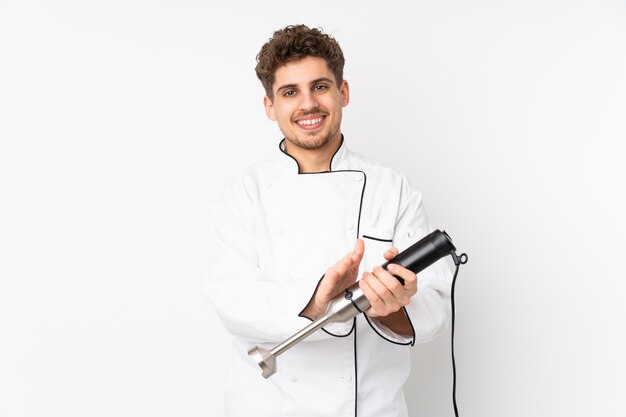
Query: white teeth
x=310, y=122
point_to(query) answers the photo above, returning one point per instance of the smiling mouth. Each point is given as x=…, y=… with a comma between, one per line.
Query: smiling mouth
x=310, y=123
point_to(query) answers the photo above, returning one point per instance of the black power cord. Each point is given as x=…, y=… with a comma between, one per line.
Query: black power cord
x=458, y=261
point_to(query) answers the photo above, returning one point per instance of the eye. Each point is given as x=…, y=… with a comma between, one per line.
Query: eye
x=289, y=93
x=320, y=87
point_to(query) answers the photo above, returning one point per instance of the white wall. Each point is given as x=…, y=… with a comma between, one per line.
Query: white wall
x=120, y=120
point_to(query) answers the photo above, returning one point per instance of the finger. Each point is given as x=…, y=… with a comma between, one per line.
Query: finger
x=390, y=282
x=391, y=302
x=380, y=289
x=390, y=253
x=357, y=253
x=376, y=303
x=359, y=247
x=409, y=277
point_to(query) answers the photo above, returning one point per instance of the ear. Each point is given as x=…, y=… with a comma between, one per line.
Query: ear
x=269, y=108
x=345, y=93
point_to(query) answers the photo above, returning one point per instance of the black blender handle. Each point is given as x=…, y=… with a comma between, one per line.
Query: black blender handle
x=423, y=253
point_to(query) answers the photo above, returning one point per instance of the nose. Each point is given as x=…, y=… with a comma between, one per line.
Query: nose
x=308, y=101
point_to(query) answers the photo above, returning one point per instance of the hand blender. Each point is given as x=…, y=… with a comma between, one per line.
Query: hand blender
x=416, y=258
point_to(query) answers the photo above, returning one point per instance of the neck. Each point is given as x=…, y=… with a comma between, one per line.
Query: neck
x=314, y=160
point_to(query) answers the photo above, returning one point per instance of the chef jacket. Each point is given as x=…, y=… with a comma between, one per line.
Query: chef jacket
x=274, y=232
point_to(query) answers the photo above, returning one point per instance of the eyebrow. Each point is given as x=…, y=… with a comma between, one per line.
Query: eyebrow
x=317, y=80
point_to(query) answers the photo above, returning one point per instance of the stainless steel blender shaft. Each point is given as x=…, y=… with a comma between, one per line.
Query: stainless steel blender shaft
x=340, y=310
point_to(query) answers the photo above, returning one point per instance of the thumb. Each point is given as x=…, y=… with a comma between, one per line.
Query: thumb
x=359, y=250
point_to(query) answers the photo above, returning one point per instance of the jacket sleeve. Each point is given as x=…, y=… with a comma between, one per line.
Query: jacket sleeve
x=250, y=303
x=429, y=310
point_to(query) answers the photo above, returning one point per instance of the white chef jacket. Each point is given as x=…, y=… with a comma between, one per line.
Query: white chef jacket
x=275, y=231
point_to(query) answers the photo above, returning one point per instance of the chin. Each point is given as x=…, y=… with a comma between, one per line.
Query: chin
x=316, y=143
x=309, y=142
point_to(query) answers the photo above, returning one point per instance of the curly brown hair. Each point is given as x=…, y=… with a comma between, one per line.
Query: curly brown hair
x=293, y=43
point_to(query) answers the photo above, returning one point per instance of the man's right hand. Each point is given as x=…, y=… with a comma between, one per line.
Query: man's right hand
x=336, y=279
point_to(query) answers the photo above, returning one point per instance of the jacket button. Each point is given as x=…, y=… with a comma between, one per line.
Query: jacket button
x=293, y=379
x=348, y=378
x=350, y=226
x=358, y=177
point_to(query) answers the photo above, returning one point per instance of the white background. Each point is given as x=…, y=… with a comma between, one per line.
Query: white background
x=120, y=120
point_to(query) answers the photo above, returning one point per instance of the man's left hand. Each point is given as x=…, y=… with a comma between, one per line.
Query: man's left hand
x=384, y=292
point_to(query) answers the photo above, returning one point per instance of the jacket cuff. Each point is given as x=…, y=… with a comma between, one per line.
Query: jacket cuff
x=339, y=329
x=388, y=334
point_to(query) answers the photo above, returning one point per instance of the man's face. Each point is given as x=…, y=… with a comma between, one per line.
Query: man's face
x=307, y=103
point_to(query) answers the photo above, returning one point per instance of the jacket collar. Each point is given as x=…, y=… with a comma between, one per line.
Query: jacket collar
x=335, y=161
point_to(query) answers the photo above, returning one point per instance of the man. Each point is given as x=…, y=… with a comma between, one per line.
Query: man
x=284, y=223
